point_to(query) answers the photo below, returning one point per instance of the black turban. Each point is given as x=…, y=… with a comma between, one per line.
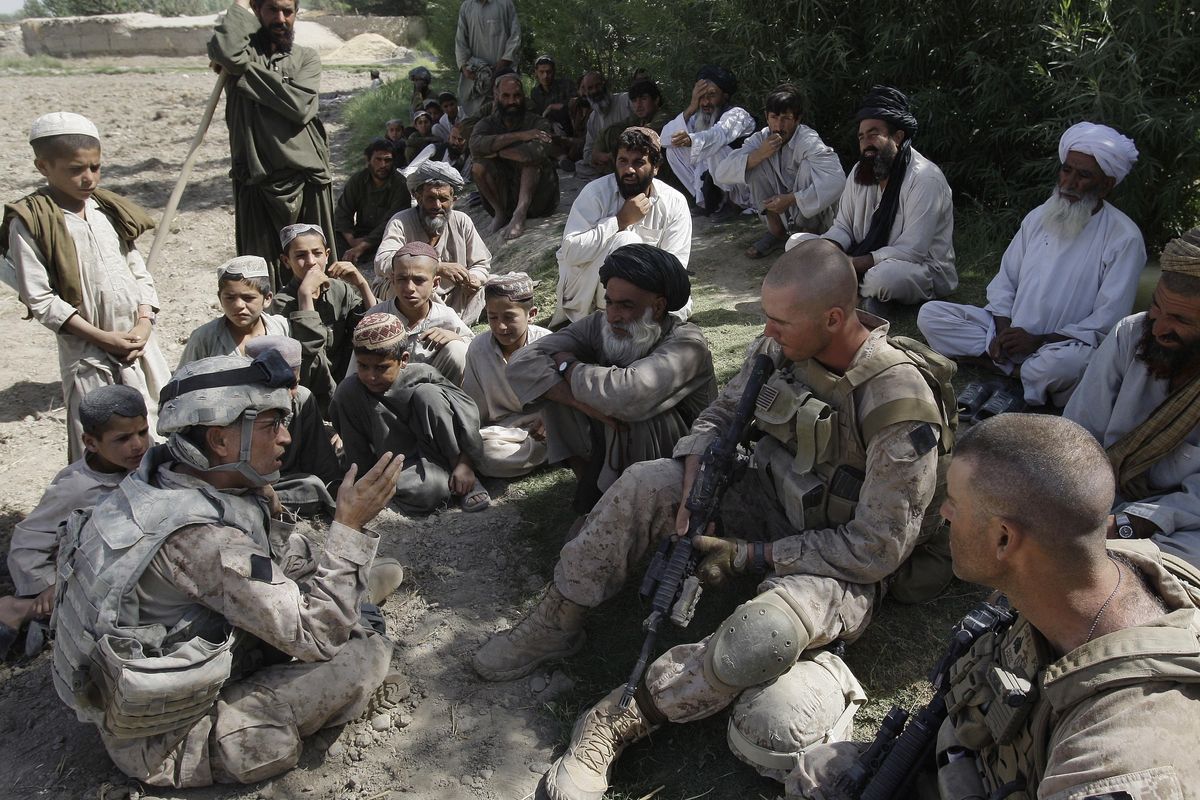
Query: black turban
x=647, y=267
x=723, y=78
x=890, y=105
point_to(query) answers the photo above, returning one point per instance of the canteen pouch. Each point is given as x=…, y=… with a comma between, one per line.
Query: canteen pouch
x=146, y=696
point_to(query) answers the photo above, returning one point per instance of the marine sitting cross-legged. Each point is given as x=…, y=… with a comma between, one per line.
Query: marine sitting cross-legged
x=173, y=611
x=852, y=426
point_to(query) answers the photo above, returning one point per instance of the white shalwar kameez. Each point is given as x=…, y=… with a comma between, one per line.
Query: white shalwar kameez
x=709, y=146
x=917, y=263
x=1078, y=288
x=1116, y=394
x=805, y=166
x=591, y=234
x=114, y=284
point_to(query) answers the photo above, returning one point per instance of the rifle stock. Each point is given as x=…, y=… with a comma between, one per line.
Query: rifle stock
x=886, y=769
x=669, y=579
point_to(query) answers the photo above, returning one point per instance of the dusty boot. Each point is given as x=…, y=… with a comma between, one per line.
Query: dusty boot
x=599, y=737
x=391, y=693
x=384, y=577
x=552, y=630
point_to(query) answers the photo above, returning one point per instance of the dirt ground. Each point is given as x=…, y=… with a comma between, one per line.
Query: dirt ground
x=455, y=736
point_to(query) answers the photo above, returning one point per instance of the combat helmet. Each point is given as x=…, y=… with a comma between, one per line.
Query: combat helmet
x=217, y=391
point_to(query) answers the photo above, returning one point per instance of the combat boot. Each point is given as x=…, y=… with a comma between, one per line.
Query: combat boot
x=600, y=735
x=554, y=629
x=383, y=578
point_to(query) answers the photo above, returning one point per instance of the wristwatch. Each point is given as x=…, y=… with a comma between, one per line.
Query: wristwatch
x=152, y=316
x=1124, y=527
x=563, y=367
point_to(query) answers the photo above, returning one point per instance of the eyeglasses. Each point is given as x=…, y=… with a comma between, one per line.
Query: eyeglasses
x=274, y=423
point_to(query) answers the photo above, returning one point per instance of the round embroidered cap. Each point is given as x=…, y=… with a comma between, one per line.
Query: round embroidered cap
x=379, y=332
x=61, y=123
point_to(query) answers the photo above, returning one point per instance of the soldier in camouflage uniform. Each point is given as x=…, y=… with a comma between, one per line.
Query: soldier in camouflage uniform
x=1101, y=669
x=843, y=477
x=176, y=626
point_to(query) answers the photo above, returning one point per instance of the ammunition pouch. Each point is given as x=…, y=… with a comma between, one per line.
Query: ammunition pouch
x=145, y=696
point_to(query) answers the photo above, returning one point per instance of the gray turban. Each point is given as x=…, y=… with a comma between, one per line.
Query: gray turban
x=438, y=171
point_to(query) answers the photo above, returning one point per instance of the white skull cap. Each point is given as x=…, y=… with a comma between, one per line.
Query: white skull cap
x=60, y=123
x=246, y=266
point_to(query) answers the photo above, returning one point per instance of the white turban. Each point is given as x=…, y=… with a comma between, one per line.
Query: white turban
x=1115, y=153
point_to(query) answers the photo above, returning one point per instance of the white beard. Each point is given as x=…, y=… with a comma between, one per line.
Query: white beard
x=1066, y=219
x=639, y=338
x=703, y=120
x=434, y=225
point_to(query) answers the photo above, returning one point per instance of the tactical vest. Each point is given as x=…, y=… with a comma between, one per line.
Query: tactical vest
x=1009, y=692
x=131, y=679
x=814, y=456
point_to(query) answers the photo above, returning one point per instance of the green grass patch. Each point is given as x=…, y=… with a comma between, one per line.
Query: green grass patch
x=366, y=115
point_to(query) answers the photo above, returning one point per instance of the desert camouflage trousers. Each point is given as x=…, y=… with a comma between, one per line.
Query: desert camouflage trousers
x=255, y=728
x=634, y=516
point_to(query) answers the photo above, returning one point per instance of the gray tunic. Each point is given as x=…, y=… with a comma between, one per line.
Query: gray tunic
x=487, y=30
x=35, y=539
x=657, y=397
x=424, y=417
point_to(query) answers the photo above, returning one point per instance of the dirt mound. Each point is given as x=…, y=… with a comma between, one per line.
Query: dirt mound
x=366, y=48
x=317, y=36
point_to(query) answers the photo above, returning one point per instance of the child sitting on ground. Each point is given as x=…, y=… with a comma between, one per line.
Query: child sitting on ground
x=389, y=404
x=514, y=441
x=311, y=471
x=79, y=272
x=244, y=289
x=116, y=435
x=322, y=302
x=436, y=334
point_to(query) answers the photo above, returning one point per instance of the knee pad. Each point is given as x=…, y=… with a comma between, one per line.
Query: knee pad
x=812, y=703
x=760, y=641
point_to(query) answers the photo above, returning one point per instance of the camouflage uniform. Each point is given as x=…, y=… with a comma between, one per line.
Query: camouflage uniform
x=830, y=577
x=219, y=582
x=1114, y=718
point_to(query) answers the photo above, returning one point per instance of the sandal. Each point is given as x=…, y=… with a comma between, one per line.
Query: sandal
x=973, y=397
x=475, y=500
x=1003, y=401
x=763, y=246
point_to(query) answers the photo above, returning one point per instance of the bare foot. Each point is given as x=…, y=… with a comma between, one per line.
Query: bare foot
x=14, y=611
x=498, y=224
x=515, y=229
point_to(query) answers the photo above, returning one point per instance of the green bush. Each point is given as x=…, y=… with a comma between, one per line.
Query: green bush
x=993, y=84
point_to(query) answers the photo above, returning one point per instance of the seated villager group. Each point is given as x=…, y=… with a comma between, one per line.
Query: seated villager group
x=377, y=357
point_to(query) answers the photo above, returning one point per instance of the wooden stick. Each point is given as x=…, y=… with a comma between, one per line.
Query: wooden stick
x=185, y=172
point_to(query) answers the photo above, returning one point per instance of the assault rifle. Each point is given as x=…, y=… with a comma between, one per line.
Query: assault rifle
x=669, y=579
x=887, y=768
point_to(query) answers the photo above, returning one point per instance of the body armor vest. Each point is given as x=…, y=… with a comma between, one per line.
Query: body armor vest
x=133, y=679
x=819, y=423
x=1009, y=692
